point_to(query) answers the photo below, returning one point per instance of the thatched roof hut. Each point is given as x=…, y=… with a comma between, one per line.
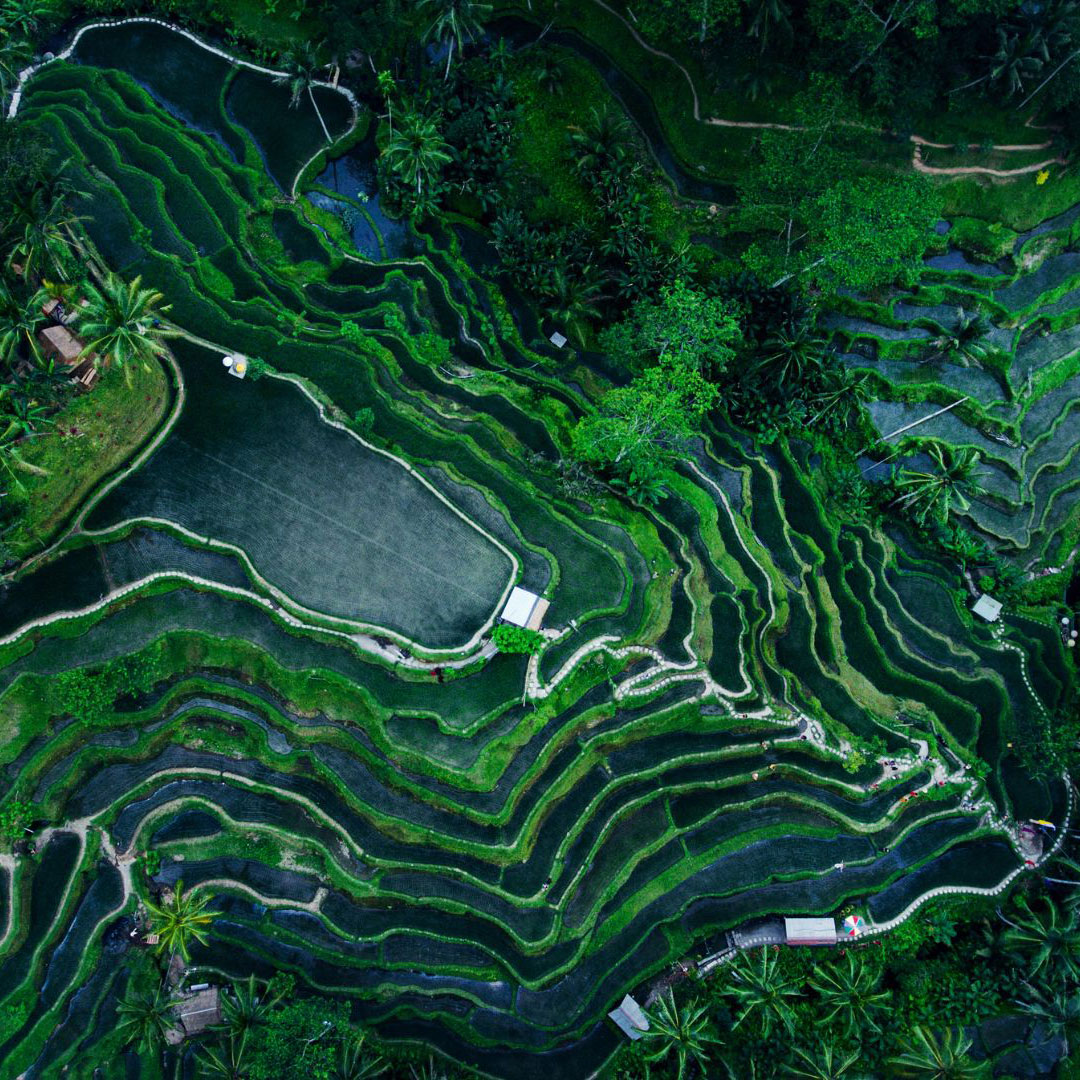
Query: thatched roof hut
x=58, y=342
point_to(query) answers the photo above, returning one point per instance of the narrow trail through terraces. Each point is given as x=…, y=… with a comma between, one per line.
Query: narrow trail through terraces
x=917, y=141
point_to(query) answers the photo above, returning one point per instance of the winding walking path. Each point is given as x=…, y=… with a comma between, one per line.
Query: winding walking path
x=917, y=140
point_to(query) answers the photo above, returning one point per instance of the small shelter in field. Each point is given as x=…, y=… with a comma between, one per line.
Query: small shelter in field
x=986, y=607
x=59, y=343
x=525, y=608
x=199, y=1011
x=236, y=365
x=630, y=1018
x=802, y=931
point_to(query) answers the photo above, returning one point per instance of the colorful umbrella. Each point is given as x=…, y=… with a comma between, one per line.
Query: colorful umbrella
x=853, y=924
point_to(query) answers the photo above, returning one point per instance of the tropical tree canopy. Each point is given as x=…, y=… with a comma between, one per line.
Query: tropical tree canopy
x=121, y=321
x=184, y=919
x=682, y=1032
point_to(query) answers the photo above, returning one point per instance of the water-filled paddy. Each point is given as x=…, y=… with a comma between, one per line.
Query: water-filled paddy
x=483, y=871
x=334, y=525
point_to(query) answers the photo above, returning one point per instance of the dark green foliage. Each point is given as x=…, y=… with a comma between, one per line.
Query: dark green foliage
x=517, y=639
x=92, y=695
x=300, y=1040
x=16, y=816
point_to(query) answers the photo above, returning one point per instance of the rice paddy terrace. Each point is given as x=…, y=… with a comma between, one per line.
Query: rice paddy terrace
x=262, y=651
x=1017, y=407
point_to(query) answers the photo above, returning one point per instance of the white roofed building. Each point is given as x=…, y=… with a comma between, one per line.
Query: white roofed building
x=802, y=931
x=630, y=1018
x=525, y=608
x=986, y=607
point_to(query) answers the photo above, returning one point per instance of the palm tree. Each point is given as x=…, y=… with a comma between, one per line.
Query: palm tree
x=849, y=991
x=146, y=1016
x=387, y=87
x=18, y=325
x=941, y=1056
x=827, y=1065
x=121, y=322
x=11, y=458
x=792, y=352
x=455, y=22
x=301, y=75
x=226, y=1060
x=15, y=54
x=1058, y=1013
x=969, y=550
x=357, y=1062
x=770, y=15
x=842, y=389
x=37, y=233
x=951, y=483
x=23, y=414
x=963, y=340
x=25, y=16
x=417, y=151
x=180, y=921
x=601, y=142
x=571, y=300
x=763, y=992
x=1051, y=938
x=243, y=1008
x=1021, y=55
x=682, y=1032
x=550, y=73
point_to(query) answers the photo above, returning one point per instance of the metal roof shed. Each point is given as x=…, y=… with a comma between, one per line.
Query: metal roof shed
x=810, y=931
x=520, y=607
x=986, y=607
x=630, y=1018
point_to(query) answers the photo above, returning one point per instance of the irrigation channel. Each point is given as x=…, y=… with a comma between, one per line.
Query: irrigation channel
x=270, y=632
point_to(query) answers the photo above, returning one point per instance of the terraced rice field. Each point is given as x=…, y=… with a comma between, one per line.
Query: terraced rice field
x=478, y=851
x=1018, y=407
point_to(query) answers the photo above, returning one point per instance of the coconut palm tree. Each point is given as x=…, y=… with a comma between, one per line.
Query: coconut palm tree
x=571, y=300
x=454, y=23
x=25, y=16
x=244, y=1008
x=849, y=991
x=1057, y=1011
x=11, y=457
x=37, y=232
x=791, y=352
x=1051, y=938
x=827, y=1064
x=120, y=322
x=19, y=321
x=145, y=1016
x=301, y=75
x=762, y=991
x=963, y=341
x=949, y=484
x=181, y=921
x=680, y=1032
x=550, y=73
x=1021, y=55
x=15, y=54
x=600, y=142
x=938, y=1056
x=417, y=151
x=387, y=87
x=22, y=414
x=770, y=16
x=842, y=389
x=226, y=1059
x=357, y=1061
